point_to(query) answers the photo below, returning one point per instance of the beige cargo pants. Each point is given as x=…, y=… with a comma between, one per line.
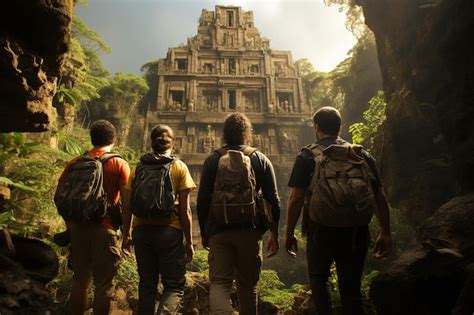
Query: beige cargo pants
x=234, y=254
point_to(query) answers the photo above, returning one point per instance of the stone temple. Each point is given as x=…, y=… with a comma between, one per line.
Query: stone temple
x=228, y=66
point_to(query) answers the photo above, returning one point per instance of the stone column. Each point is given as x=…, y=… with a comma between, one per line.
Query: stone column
x=160, y=98
x=303, y=104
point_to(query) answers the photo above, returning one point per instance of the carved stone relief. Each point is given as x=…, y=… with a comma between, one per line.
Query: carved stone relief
x=209, y=140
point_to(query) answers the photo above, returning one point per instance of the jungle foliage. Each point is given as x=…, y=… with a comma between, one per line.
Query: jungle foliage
x=83, y=72
x=118, y=103
x=364, y=132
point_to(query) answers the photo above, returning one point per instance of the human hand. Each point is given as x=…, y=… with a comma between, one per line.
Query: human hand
x=189, y=252
x=291, y=245
x=272, y=245
x=383, y=245
x=127, y=245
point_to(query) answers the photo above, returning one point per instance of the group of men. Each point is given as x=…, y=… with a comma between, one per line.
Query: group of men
x=333, y=183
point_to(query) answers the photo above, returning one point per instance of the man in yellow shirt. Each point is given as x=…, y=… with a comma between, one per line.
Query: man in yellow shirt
x=161, y=216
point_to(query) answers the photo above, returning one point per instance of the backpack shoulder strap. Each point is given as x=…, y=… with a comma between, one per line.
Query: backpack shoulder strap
x=248, y=150
x=358, y=149
x=315, y=150
x=221, y=151
x=170, y=162
x=108, y=155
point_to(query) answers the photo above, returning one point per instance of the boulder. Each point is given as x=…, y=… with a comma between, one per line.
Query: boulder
x=24, y=271
x=437, y=277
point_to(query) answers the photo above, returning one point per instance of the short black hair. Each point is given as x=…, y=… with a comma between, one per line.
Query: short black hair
x=237, y=129
x=102, y=133
x=159, y=142
x=328, y=120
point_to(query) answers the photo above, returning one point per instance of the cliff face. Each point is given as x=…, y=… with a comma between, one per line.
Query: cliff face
x=425, y=149
x=34, y=37
x=427, y=69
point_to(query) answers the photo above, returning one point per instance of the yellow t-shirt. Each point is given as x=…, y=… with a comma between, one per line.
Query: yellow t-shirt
x=181, y=180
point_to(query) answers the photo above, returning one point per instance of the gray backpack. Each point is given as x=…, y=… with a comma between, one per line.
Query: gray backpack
x=234, y=198
x=340, y=193
x=152, y=189
x=80, y=196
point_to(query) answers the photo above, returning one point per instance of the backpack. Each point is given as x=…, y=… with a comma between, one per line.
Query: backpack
x=340, y=193
x=81, y=197
x=233, y=201
x=152, y=189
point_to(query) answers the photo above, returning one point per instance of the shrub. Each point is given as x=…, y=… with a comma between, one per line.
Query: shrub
x=272, y=290
x=127, y=277
x=199, y=263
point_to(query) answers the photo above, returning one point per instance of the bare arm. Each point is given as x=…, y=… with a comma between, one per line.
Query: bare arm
x=185, y=217
x=125, y=194
x=295, y=204
x=383, y=213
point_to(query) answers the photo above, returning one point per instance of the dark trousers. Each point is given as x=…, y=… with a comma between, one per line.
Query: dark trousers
x=159, y=251
x=348, y=248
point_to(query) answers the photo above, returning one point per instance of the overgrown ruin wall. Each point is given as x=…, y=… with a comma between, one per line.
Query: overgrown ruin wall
x=425, y=149
x=34, y=37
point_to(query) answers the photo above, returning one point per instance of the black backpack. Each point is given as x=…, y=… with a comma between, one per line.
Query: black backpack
x=152, y=190
x=80, y=196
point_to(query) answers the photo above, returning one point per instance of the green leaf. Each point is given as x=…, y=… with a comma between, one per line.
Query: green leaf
x=18, y=186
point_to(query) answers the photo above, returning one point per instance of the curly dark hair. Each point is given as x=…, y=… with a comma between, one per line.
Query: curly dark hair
x=102, y=133
x=237, y=129
x=328, y=119
x=162, y=138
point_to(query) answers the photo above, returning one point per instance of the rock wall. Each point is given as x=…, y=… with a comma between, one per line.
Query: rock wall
x=425, y=149
x=34, y=37
x=425, y=146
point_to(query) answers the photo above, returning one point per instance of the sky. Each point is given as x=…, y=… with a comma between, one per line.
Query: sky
x=142, y=30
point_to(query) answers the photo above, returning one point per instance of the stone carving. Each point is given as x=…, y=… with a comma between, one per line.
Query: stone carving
x=229, y=40
x=209, y=140
x=174, y=106
x=280, y=70
x=271, y=108
x=208, y=68
x=209, y=101
x=191, y=106
x=285, y=142
x=257, y=141
x=252, y=101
